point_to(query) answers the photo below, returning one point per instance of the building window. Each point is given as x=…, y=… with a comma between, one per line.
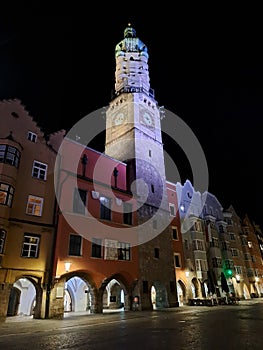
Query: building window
x=39, y=170
x=234, y=252
x=221, y=228
x=229, y=221
x=34, y=205
x=186, y=245
x=123, y=251
x=175, y=232
x=6, y=194
x=214, y=242
x=115, y=250
x=152, y=188
x=238, y=270
x=229, y=264
x=127, y=213
x=198, y=244
x=247, y=256
x=79, y=201
x=2, y=240
x=217, y=262
x=172, y=209
x=177, y=260
x=96, y=248
x=30, y=248
x=232, y=236
x=150, y=153
x=243, y=241
x=156, y=253
x=201, y=265
x=31, y=136
x=105, y=208
x=9, y=155
x=197, y=226
x=75, y=245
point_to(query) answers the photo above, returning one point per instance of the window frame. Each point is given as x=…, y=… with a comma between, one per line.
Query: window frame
x=38, y=171
x=177, y=257
x=31, y=136
x=96, y=248
x=105, y=210
x=30, y=245
x=8, y=194
x=79, y=201
x=73, y=247
x=7, y=153
x=35, y=205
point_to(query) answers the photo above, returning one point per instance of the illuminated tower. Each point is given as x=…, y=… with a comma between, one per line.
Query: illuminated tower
x=133, y=135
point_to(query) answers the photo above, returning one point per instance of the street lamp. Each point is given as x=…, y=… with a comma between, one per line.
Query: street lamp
x=67, y=266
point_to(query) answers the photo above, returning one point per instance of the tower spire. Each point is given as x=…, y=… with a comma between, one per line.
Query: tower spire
x=131, y=55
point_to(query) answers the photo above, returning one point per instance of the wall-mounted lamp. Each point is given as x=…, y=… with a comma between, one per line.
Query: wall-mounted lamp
x=256, y=279
x=187, y=273
x=238, y=278
x=67, y=266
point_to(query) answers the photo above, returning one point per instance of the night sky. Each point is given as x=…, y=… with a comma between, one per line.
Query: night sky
x=208, y=70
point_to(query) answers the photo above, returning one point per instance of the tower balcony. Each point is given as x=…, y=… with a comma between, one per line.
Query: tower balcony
x=133, y=89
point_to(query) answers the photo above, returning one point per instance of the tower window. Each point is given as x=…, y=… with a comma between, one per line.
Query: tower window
x=156, y=253
x=177, y=261
x=175, y=232
x=150, y=153
x=152, y=188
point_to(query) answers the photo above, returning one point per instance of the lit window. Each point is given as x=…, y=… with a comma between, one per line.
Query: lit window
x=34, y=205
x=30, y=246
x=39, y=170
x=6, y=194
x=31, y=136
x=249, y=243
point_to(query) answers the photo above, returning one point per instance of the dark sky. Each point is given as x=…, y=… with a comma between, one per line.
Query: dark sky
x=208, y=70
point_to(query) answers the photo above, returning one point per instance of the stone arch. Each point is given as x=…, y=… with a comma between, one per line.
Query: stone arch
x=195, y=288
x=115, y=293
x=246, y=293
x=159, y=297
x=181, y=292
x=25, y=297
x=80, y=291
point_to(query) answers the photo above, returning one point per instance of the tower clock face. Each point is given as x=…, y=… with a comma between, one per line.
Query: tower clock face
x=119, y=119
x=146, y=119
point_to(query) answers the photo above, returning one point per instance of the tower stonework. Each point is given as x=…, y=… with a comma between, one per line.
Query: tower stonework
x=133, y=135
